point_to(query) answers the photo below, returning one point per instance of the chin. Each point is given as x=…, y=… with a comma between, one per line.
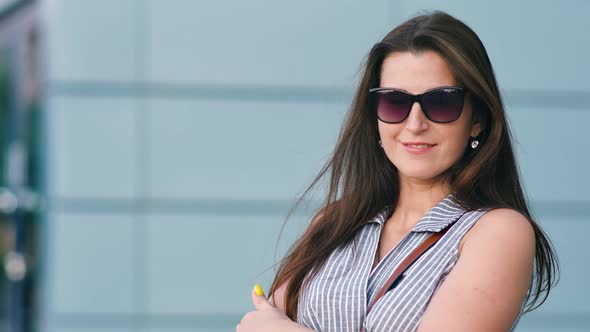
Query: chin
x=422, y=177
x=418, y=173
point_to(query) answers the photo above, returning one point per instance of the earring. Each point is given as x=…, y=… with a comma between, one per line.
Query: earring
x=474, y=143
x=381, y=145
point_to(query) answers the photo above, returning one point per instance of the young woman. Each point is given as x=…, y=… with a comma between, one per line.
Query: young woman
x=425, y=149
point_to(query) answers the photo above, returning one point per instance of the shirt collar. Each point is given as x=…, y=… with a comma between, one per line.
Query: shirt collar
x=446, y=212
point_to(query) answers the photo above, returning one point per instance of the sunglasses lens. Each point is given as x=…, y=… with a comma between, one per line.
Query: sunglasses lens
x=443, y=105
x=392, y=106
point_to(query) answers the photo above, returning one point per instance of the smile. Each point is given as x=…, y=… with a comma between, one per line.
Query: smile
x=418, y=148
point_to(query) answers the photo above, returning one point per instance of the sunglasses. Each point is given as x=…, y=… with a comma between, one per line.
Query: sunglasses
x=441, y=105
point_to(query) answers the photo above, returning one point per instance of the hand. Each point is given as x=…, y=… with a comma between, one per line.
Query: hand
x=265, y=318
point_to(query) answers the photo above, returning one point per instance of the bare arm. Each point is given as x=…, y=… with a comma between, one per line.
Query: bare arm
x=270, y=313
x=485, y=289
x=277, y=298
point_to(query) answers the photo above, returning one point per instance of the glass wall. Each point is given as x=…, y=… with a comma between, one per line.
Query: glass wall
x=179, y=133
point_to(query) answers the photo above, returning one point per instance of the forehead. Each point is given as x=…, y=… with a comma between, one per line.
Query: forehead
x=415, y=72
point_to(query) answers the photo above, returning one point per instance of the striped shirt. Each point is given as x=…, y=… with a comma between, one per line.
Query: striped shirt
x=338, y=297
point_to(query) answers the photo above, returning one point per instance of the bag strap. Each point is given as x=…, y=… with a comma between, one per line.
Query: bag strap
x=411, y=258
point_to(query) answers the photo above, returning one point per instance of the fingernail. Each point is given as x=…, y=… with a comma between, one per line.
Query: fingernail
x=258, y=290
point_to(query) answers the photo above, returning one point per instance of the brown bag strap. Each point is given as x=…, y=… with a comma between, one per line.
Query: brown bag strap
x=413, y=256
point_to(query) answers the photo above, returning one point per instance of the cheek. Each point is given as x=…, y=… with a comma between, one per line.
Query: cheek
x=387, y=132
x=458, y=135
x=456, y=145
x=382, y=129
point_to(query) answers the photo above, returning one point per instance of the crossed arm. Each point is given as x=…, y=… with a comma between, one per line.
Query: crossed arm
x=485, y=289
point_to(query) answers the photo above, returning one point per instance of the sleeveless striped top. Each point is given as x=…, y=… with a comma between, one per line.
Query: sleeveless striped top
x=338, y=297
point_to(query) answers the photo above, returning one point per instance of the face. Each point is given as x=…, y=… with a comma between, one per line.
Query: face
x=415, y=74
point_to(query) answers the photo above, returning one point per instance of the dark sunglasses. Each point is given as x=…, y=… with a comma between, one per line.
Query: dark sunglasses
x=441, y=105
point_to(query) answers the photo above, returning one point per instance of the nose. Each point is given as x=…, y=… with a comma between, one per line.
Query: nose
x=417, y=120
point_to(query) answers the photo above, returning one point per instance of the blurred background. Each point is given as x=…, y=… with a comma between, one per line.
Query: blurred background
x=150, y=150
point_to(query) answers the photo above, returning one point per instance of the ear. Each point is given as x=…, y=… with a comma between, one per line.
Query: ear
x=475, y=129
x=476, y=117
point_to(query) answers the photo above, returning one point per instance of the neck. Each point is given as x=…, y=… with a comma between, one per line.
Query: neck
x=416, y=198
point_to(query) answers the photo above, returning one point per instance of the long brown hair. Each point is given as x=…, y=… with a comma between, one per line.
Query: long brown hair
x=363, y=180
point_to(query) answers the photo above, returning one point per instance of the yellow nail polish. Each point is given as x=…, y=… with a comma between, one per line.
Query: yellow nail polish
x=258, y=290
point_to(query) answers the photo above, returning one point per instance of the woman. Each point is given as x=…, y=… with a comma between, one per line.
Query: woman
x=425, y=149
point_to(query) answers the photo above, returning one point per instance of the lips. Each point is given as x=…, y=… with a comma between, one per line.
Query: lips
x=419, y=144
x=418, y=147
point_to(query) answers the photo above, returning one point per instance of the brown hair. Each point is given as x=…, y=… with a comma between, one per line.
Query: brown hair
x=363, y=181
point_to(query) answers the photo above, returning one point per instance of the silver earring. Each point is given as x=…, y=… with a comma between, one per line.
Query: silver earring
x=474, y=144
x=381, y=145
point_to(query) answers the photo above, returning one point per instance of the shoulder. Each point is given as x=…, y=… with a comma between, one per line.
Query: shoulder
x=486, y=287
x=499, y=227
